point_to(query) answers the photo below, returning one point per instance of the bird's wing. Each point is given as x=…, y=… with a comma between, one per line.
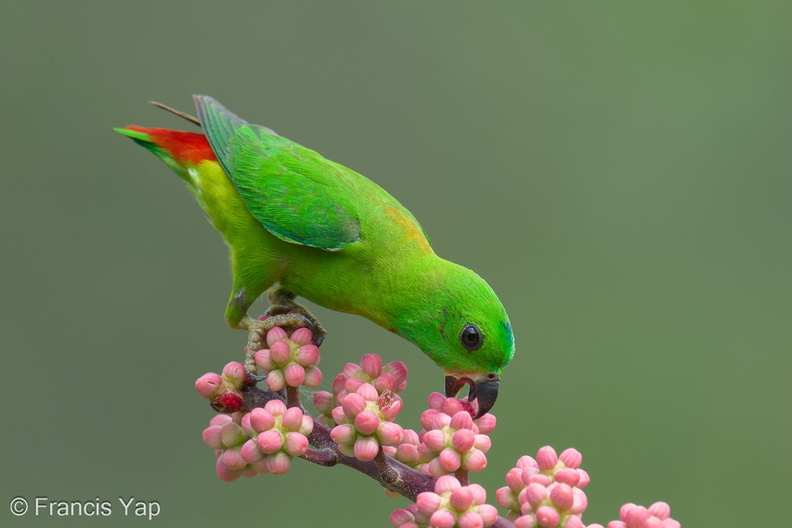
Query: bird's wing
x=295, y=193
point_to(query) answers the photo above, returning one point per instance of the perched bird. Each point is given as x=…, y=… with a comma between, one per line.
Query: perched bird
x=299, y=224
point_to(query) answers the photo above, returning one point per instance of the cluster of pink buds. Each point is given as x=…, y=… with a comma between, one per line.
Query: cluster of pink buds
x=358, y=421
x=450, y=505
x=262, y=441
x=546, y=491
x=633, y=516
x=451, y=441
x=290, y=359
x=223, y=391
x=365, y=421
x=391, y=377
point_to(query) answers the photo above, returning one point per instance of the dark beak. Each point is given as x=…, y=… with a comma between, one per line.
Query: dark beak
x=484, y=392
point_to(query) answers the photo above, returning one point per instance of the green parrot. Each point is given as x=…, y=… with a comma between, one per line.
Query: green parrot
x=299, y=224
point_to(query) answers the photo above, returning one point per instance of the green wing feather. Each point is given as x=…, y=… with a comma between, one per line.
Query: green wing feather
x=295, y=193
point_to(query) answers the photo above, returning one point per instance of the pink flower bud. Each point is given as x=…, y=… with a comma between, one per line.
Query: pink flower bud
x=450, y=460
x=371, y=365
x=435, y=440
x=235, y=371
x=292, y=418
x=391, y=434
x=446, y=484
x=275, y=407
x=338, y=415
x=343, y=434
x=308, y=355
x=527, y=463
x=279, y=463
x=546, y=458
x=442, y=519
x=385, y=382
x=637, y=516
x=352, y=370
x=475, y=461
x=561, y=495
x=584, y=478
x=462, y=420
x=368, y=392
x=400, y=517
x=486, y=423
x=470, y=520
x=275, y=380
x=537, y=478
x=367, y=422
x=323, y=401
x=452, y=406
x=525, y=521
x=580, y=502
x=574, y=521
x=306, y=425
x=625, y=510
x=479, y=493
x=263, y=360
x=461, y=499
x=617, y=524
x=269, y=441
x=294, y=375
x=231, y=434
x=224, y=472
x=366, y=448
x=302, y=336
x=250, y=452
x=261, y=419
x=353, y=384
x=407, y=454
x=280, y=352
x=571, y=458
x=547, y=516
x=209, y=385
x=488, y=513
x=275, y=334
x=567, y=476
x=661, y=510
x=483, y=443
x=353, y=404
x=506, y=499
x=535, y=494
x=232, y=458
x=428, y=502
x=296, y=444
x=436, y=400
x=338, y=384
x=463, y=440
x=212, y=437
x=514, y=480
x=399, y=371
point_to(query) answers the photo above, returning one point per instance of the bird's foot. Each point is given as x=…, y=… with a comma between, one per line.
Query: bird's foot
x=280, y=314
x=282, y=303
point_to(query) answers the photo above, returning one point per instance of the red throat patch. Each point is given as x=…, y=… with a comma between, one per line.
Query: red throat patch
x=184, y=147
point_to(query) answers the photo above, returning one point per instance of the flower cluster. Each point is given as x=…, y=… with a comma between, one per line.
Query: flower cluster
x=262, y=441
x=451, y=440
x=546, y=491
x=365, y=421
x=450, y=505
x=391, y=377
x=633, y=516
x=357, y=421
x=224, y=391
x=290, y=360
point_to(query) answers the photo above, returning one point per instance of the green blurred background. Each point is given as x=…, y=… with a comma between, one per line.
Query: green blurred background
x=618, y=171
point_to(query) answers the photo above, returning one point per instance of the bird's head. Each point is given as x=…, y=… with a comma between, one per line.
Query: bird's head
x=462, y=326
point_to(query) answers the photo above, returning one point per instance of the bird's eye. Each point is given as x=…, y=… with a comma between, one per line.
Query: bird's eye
x=471, y=337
